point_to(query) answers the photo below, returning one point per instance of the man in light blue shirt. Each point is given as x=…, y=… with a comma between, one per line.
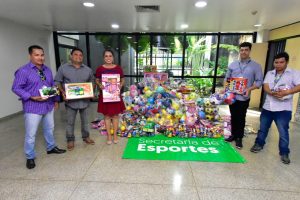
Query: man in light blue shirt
x=280, y=84
x=250, y=70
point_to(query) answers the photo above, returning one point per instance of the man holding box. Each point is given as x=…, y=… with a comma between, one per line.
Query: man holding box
x=280, y=84
x=248, y=69
x=75, y=72
x=29, y=79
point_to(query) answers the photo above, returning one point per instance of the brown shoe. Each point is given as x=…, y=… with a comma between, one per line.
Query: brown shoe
x=89, y=141
x=70, y=145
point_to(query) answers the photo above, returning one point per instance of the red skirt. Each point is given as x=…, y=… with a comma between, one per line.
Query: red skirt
x=110, y=108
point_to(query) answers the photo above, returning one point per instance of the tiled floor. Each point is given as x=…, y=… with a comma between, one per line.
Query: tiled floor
x=99, y=172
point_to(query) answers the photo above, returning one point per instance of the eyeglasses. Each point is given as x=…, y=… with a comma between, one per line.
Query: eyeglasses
x=42, y=75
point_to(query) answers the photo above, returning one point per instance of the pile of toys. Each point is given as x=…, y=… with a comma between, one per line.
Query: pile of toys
x=226, y=126
x=173, y=109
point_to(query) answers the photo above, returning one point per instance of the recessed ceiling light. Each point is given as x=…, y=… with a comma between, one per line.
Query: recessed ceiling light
x=200, y=4
x=89, y=4
x=115, y=26
x=258, y=25
x=184, y=26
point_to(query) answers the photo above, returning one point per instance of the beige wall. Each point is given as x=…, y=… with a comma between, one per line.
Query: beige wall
x=293, y=49
x=14, y=40
x=259, y=54
x=287, y=31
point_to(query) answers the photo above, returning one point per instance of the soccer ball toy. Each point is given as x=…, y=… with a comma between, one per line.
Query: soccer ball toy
x=216, y=99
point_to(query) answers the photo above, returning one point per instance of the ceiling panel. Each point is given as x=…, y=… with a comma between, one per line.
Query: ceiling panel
x=217, y=16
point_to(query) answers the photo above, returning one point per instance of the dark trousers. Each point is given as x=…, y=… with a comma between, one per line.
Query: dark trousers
x=71, y=116
x=238, y=112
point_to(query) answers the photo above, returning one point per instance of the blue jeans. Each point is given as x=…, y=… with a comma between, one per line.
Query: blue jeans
x=31, y=126
x=282, y=120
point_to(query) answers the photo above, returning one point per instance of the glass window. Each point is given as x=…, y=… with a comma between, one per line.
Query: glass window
x=219, y=84
x=64, y=54
x=128, y=82
x=98, y=43
x=229, y=50
x=128, y=54
x=67, y=42
x=167, y=53
x=143, y=49
x=202, y=85
x=200, y=55
x=163, y=50
x=135, y=53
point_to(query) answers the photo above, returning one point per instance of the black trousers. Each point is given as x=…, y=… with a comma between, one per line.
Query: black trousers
x=238, y=112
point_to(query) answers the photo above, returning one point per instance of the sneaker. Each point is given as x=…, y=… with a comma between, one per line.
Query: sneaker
x=256, y=148
x=30, y=164
x=239, y=143
x=285, y=159
x=230, y=139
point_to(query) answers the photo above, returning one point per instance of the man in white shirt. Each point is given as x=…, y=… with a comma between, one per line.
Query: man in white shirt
x=280, y=84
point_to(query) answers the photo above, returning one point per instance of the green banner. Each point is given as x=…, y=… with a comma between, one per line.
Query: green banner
x=160, y=147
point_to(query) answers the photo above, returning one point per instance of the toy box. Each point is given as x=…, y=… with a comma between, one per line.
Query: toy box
x=111, y=91
x=79, y=90
x=236, y=85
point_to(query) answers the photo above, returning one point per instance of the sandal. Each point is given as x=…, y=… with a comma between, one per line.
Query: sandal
x=89, y=141
x=70, y=145
x=116, y=141
x=109, y=142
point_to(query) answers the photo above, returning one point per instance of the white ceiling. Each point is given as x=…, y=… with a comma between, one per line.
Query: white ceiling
x=218, y=16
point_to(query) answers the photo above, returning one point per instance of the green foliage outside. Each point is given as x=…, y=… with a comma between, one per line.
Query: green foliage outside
x=203, y=86
x=109, y=41
x=197, y=63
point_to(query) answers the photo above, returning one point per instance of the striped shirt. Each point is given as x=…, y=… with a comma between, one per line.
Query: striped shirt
x=27, y=83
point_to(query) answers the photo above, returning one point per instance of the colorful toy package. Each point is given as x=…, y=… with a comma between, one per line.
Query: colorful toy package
x=111, y=91
x=79, y=90
x=236, y=85
x=157, y=77
x=47, y=92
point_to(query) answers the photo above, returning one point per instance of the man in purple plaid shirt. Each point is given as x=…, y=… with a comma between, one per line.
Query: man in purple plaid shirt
x=28, y=80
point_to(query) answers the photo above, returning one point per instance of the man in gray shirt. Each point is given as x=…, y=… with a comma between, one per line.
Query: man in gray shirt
x=250, y=70
x=75, y=72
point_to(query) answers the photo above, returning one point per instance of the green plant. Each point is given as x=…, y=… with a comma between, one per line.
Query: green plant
x=203, y=86
x=199, y=65
x=222, y=65
x=109, y=41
